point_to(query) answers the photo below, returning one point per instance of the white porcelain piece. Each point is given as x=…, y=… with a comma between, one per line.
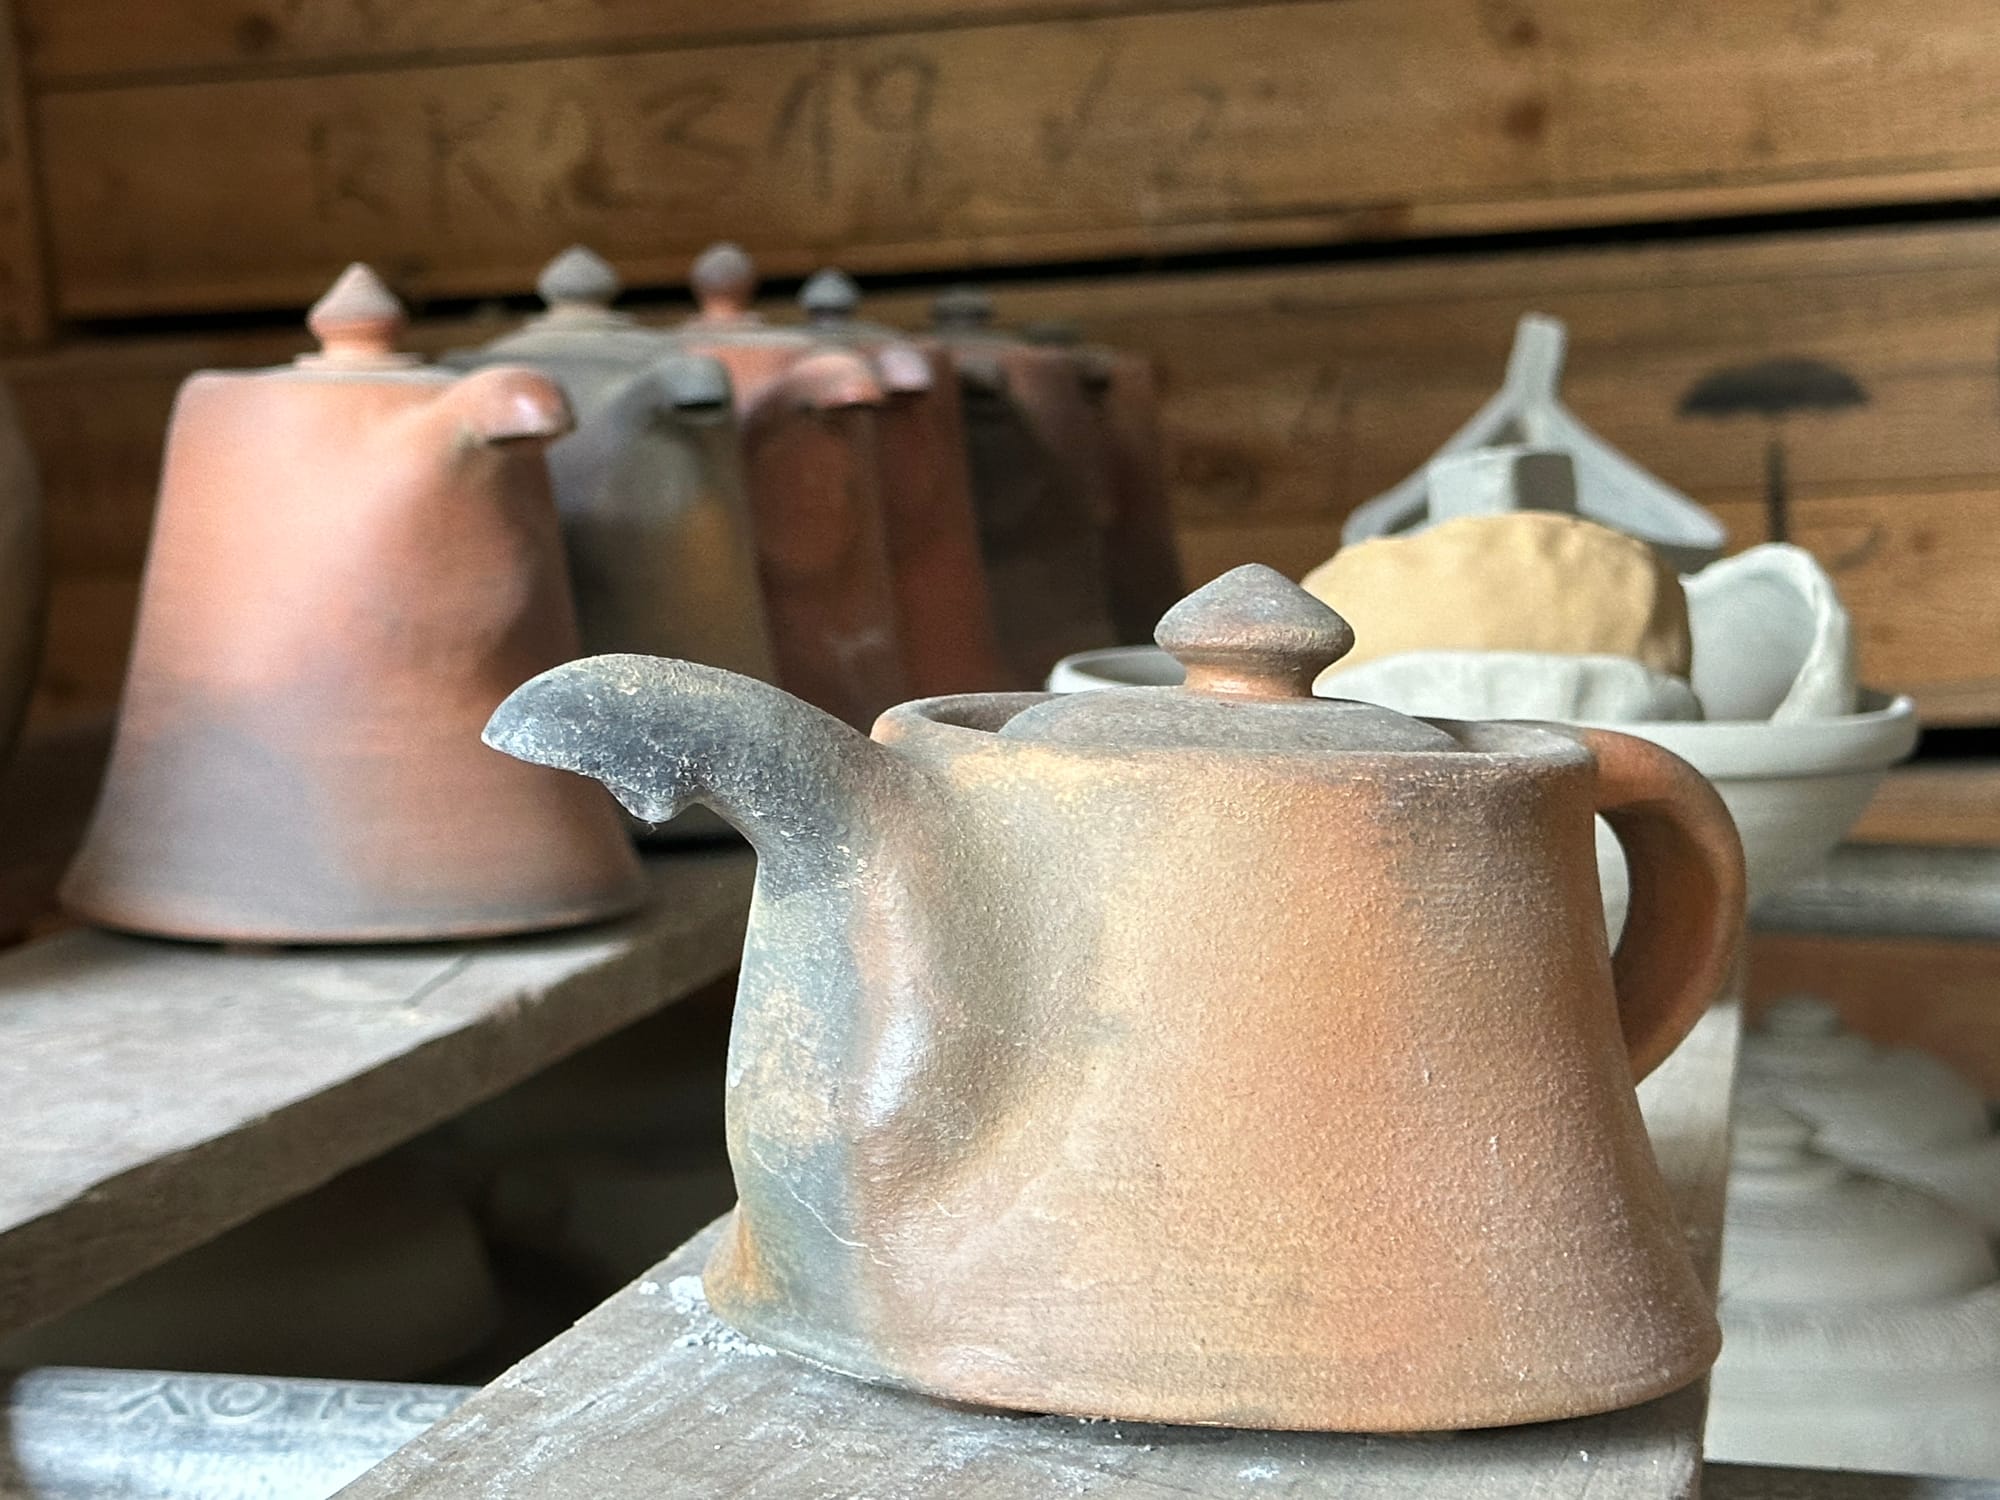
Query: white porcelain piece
x=1771, y=638
x=1515, y=685
x=1861, y=1320
x=1898, y=1113
x=1610, y=488
x=1506, y=477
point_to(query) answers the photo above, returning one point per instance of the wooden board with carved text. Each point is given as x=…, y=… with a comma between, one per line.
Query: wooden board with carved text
x=1291, y=395
x=929, y=137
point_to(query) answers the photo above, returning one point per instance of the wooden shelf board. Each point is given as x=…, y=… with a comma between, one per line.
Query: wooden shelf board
x=154, y=1094
x=651, y=1395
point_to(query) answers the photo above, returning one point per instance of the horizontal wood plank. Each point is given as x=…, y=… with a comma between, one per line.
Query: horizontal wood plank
x=154, y=1094
x=1943, y=997
x=651, y=1395
x=1116, y=136
x=1948, y=804
x=72, y=42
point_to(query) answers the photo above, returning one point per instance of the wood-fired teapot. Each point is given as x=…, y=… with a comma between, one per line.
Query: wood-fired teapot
x=1212, y=1054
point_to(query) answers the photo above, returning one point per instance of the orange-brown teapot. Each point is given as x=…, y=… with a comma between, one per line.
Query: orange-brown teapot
x=1212, y=1054
x=354, y=559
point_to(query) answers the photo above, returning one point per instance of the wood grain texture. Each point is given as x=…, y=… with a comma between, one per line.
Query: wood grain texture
x=154, y=1094
x=1943, y=997
x=1120, y=135
x=1953, y=804
x=24, y=291
x=73, y=41
x=650, y=1395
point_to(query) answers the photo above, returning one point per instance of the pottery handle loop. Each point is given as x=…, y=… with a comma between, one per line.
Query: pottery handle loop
x=1684, y=926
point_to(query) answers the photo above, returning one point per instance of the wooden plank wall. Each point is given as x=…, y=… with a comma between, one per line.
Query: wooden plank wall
x=25, y=313
x=226, y=156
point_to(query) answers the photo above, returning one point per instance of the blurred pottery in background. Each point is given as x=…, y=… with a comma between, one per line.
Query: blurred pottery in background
x=23, y=584
x=1142, y=561
x=1042, y=485
x=1893, y=1111
x=355, y=558
x=1861, y=1320
x=1609, y=488
x=1116, y=876
x=1772, y=641
x=810, y=419
x=648, y=485
x=944, y=610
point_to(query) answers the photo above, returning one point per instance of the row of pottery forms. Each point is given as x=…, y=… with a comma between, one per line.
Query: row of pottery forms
x=357, y=556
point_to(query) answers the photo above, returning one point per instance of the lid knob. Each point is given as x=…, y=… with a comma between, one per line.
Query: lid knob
x=1253, y=633
x=358, y=321
x=579, y=278
x=962, y=307
x=829, y=296
x=724, y=278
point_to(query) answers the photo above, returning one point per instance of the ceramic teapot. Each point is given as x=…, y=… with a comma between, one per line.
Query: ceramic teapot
x=649, y=485
x=1041, y=483
x=1213, y=1054
x=944, y=611
x=354, y=559
x=810, y=422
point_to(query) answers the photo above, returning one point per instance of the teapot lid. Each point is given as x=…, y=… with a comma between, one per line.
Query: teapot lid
x=1252, y=642
x=357, y=323
x=580, y=283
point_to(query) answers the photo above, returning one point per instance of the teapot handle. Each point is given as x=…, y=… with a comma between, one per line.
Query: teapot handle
x=1684, y=925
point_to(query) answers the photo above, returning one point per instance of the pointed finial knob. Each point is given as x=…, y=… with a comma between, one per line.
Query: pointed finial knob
x=1254, y=633
x=962, y=307
x=724, y=279
x=829, y=296
x=579, y=279
x=358, y=320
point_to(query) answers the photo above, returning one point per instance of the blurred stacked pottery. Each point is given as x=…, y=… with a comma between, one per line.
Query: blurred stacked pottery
x=1143, y=565
x=944, y=611
x=1041, y=483
x=810, y=424
x=1861, y=1320
x=1892, y=1111
x=22, y=586
x=354, y=559
x=649, y=485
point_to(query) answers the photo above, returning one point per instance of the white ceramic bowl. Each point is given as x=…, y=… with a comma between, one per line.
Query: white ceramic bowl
x=1794, y=788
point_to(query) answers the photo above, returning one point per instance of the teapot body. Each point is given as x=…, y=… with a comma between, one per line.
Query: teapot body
x=1091, y=1104
x=347, y=572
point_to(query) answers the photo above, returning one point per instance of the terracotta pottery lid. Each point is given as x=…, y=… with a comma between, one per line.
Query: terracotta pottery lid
x=358, y=323
x=724, y=282
x=1252, y=642
x=829, y=300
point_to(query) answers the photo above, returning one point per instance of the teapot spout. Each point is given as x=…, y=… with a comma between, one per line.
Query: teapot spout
x=665, y=734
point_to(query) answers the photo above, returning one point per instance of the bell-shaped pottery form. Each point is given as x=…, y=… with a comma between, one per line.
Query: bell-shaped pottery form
x=1047, y=1089
x=23, y=587
x=649, y=485
x=1772, y=640
x=354, y=559
x=811, y=425
x=1142, y=562
x=1609, y=488
x=1861, y=1320
x=944, y=612
x=1042, y=485
x=1897, y=1113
